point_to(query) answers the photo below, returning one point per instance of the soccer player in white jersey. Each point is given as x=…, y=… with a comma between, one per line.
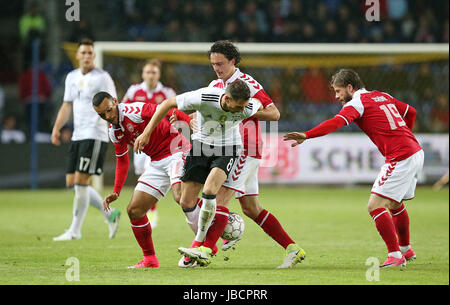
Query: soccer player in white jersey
x=89, y=138
x=243, y=179
x=150, y=90
x=215, y=148
x=388, y=123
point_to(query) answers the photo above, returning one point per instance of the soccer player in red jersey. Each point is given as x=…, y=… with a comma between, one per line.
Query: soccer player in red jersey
x=167, y=149
x=388, y=123
x=150, y=90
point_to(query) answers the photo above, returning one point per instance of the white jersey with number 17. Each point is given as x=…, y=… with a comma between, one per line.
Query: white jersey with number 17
x=79, y=90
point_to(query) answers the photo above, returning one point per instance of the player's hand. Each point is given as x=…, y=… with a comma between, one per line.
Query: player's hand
x=56, y=134
x=298, y=137
x=193, y=125
x=140, y=142
x=173, y=118
x=108, y=199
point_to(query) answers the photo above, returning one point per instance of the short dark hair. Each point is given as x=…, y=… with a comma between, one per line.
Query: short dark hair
x=346, y=77
x=99, y=97
x=238, y=90
x=227, y=48
x=85, y=42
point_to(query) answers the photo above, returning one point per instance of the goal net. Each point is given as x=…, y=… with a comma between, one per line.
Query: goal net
x=296, y=76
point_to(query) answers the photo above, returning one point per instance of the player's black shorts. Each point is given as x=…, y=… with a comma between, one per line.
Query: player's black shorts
x=203, y=158
x=87, y=156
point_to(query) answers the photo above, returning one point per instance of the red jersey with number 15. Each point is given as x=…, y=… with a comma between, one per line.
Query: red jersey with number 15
x=380, y=116
x=133, y=118
x=250, y=128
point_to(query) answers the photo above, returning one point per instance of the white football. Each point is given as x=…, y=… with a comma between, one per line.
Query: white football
x=234, y=228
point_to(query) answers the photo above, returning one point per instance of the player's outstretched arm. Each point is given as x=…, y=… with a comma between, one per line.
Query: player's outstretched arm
x=62, y=118
x=161, y=111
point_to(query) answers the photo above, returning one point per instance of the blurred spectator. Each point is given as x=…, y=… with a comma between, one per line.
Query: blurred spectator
x=407, y=29
x=10, y=133
x=315, y=86
x=32, y=26
x=231, y=30
x=252, y=13
x=397, y=9
x=439, y=114
x=81, y=30
x=424, y=33
x=43, y=99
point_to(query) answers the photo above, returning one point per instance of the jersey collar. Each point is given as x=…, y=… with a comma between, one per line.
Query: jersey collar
x=233, y=77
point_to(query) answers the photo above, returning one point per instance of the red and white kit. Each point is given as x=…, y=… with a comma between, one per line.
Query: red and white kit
x=244, y=176
x=388, y=122
x=167, y=149
x=141, y=93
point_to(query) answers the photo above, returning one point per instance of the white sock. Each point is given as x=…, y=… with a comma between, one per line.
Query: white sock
x=80, y=206
x=192, y=217
x=97, y=202
x=396, y=254
x=207, y=212
x=403, y=249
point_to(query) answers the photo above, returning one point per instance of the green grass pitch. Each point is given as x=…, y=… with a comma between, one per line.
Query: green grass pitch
x=331, y=224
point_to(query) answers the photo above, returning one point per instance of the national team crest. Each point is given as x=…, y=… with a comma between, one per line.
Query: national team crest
x=130, y=127
x=222, y=119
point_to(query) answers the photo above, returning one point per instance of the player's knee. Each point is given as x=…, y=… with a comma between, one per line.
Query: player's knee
x=134, y=212
x=177, y=197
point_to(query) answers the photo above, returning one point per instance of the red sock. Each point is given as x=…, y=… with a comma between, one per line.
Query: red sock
x=217, y=226
x=386, y=228
x=401, y=222
x=273, y=228
x=143, y=233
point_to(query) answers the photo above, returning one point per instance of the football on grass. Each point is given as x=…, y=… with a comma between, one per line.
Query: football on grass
x=234, y=228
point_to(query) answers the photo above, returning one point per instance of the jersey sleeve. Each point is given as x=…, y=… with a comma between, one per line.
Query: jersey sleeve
x=264, y=98
x=352, y=110
x=252, y=107
x=407, y=112
x=109, y=83
x=69, y=90
x=122, y=165
x=190, y=100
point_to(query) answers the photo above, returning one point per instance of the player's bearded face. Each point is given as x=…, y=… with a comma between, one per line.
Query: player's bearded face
x=108, y=111
x=342, y=94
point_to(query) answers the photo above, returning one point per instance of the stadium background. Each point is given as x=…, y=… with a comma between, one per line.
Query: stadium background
x=298, y=83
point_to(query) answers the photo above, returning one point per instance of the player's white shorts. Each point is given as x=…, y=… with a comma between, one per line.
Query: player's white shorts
x=243, y=178
x=397, y=180
x=160, y=175
x=140, y=163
